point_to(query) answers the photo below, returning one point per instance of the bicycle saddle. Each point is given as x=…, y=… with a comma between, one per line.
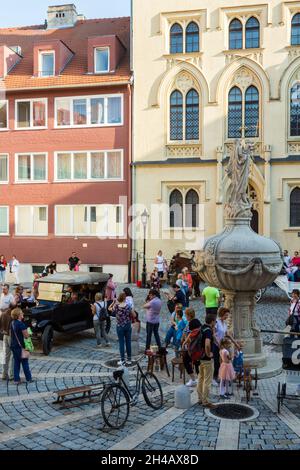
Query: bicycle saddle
x=117, y=374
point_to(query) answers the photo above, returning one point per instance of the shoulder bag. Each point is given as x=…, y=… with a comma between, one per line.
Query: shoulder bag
x=24, y=353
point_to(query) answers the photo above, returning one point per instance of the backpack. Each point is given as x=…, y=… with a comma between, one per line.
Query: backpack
x=103, y=311
x=195, y=348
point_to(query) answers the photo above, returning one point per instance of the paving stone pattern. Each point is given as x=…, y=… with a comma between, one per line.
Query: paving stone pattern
x=28, y=414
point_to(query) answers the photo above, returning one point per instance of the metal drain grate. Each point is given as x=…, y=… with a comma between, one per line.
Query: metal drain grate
x=232, y=411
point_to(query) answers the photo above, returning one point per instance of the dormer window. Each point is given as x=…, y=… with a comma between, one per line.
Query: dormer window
x=47, y=64
x=101, y=59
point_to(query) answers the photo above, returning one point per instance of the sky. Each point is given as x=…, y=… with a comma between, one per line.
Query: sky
x=30, y=12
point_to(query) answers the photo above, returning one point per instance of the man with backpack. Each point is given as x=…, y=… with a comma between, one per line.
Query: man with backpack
x=206, y=369
x=99, y=310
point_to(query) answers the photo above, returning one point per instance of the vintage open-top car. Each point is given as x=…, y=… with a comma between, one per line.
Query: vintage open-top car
x=58, y=310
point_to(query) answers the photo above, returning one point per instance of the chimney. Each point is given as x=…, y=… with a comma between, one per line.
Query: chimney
x=61, y=16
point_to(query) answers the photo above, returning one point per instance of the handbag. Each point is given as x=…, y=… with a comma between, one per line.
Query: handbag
x=291, y=318
x=24, y=353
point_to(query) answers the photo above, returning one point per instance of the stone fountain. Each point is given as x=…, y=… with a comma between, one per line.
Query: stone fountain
x=239, y=261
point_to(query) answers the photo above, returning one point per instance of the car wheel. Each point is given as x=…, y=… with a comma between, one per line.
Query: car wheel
x=47, y=338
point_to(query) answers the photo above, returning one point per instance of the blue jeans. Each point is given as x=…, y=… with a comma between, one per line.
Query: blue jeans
x=2, y=276
x=17, y=366
x=171, y=334
x=124, y=335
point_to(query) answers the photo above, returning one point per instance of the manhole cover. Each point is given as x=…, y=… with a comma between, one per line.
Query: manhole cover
x=233, y=411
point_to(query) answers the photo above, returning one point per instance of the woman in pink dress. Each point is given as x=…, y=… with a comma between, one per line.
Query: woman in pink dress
x=226, y=371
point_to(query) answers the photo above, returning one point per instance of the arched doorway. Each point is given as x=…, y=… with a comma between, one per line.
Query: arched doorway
x=254, y=224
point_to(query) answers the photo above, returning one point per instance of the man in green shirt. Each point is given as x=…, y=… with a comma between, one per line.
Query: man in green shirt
x=211, y=300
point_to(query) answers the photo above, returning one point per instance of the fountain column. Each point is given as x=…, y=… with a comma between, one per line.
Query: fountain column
x=239, y=261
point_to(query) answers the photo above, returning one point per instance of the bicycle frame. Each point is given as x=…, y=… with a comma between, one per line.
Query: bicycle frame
x=139, y=376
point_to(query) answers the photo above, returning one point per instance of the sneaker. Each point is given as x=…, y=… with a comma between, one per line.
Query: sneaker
x=215, y=383
x=107, y=345
x=128, y=363
x=223, y=397
x=121, y=363
x=191, y=383
x=99, y=346
x=30, y=381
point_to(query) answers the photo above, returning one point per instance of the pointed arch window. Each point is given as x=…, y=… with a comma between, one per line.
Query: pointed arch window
x=235, y=34
x=295, y=39
x=176, y=209
x=192, y=37
x=176, y=116
x=295, y=110
x=295, y=208
x=176, y=39
x=192, y=115
x=192, y=209
x=235, y=112
x=243, y=112
x=252, y=33
x=251, y=112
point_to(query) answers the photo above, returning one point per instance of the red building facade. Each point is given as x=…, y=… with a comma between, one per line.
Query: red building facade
x=65, y=117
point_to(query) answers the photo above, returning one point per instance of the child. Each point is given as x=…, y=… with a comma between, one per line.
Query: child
x=226, y=372
x=180, y=327
x=171, y=333
x=155, y=280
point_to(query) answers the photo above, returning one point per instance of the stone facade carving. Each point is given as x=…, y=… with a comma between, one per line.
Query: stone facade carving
x=257, y=148
x=293, y=148
x=256, y=56
x=195, y=60
x=182, y=150
x=184, y=82
x=294, y=52
x=243, y=78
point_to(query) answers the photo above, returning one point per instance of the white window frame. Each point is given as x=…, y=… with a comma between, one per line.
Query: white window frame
x=89, y=98
x=89, y=166
x=74, y=234
x=7, y=221
x=7, y=115
x=41, y=53
x=31, y=181
x=104, y=48
x=7, y=162
x=32, y=212
x=31, y=127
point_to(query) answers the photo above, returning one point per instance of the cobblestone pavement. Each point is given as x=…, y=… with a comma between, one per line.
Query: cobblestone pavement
x=30, y=420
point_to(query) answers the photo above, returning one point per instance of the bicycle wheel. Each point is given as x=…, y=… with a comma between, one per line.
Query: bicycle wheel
x=152, y=391
x=115, y=406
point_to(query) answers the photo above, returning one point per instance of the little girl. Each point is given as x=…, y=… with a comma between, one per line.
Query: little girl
x=226, y=372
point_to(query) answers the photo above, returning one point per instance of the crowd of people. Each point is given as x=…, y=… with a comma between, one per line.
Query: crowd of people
x=291, y=266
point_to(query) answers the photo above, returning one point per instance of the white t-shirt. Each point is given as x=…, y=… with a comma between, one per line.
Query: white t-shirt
x=129, y=302
x=6, y=301
x=220, y=330
x=15, y=266
x=160, y=263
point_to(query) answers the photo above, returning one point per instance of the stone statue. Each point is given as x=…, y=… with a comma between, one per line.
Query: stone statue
x=238, y=203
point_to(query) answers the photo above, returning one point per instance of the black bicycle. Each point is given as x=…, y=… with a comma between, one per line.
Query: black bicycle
x=117, y=397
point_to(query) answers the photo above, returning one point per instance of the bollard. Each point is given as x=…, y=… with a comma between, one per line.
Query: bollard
x=182, y=397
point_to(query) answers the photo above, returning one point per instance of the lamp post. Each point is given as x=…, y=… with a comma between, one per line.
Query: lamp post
x=144, y=217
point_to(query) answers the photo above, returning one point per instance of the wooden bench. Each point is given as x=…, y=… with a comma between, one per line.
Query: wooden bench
x=85, y=390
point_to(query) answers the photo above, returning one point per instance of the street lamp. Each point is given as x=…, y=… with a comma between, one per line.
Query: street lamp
x=144, y=217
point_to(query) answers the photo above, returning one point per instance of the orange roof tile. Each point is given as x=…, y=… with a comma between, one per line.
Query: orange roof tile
x=76, y=38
